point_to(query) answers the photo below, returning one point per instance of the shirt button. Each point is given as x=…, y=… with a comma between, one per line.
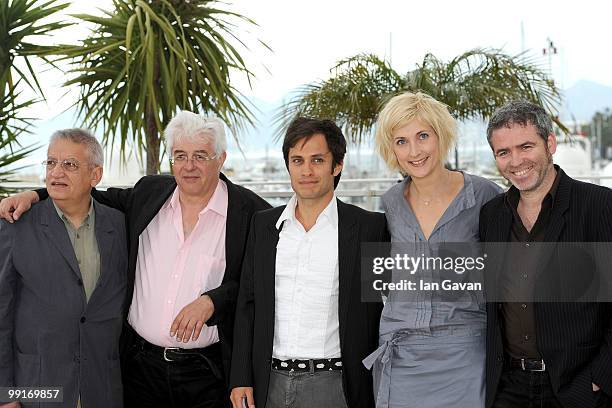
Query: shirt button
x=83, y=319
x=527, y=245
x=169, y=301
x=80, y=282
x=524, y=306
x=526, y=337
x=525, y=276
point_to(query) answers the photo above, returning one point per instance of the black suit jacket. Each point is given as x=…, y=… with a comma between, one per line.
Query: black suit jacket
x=575, y=339
x=358, y=321
x=141, y=203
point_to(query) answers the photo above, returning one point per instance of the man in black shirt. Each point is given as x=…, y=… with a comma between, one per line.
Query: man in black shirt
x=543, y=354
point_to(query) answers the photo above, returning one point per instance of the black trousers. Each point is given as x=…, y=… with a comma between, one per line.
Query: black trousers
x=151, y=382
x=531, y=389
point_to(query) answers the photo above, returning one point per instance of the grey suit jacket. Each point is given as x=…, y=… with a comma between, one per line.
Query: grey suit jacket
x=49, y=334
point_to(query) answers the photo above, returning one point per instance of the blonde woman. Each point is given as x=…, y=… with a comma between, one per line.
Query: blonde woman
x=432, y=349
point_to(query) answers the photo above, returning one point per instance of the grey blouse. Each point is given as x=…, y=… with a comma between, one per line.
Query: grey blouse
x=424, y=310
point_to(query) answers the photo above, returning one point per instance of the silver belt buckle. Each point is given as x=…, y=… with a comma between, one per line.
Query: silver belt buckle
x=540, y=370
x=543, y=367
x=165, y=350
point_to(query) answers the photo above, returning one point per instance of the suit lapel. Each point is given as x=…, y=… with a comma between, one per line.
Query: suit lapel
x=151, y=210
x=560, y=206
x=55, y=230
x=498, y=235
x=105, y=233
x=556, y=223
x=237, y=221
x=268, y=269
x=348, y=251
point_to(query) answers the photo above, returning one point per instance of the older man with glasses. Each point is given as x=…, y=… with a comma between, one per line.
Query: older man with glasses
x=187, y=237
x=62, y=284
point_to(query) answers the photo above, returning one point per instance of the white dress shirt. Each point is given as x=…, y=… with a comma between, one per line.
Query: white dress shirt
x=306, y=286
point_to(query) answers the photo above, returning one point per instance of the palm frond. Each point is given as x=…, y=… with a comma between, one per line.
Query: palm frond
x=472, y=84
x=352, y=97
x=21, y=22
x=478, y=81
x=145, y=60
x=8, y=157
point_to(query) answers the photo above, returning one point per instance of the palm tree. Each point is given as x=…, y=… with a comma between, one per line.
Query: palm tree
x=11, y=126
x=472, y=84
x=9, y=158
x=144, y=60
x=21, y=21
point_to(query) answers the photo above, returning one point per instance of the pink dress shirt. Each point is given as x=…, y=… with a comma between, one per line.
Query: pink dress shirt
x=172, y=271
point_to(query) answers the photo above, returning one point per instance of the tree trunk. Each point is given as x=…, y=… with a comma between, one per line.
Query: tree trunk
x=151, y=129
x=153, y=142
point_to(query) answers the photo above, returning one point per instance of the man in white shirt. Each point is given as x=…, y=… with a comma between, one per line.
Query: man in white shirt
x=301, y=329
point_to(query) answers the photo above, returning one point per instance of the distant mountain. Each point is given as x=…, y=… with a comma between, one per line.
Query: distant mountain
x=585, y=98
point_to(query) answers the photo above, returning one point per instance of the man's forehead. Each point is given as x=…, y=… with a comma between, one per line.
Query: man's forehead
x=301, y=153
x=312, y=145
x=66, y=148
x=192, y=146
x=515, y=134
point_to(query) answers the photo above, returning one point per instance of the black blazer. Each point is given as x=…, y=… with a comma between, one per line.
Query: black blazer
x=575, y=339
x=141, y=203
x=359, y=321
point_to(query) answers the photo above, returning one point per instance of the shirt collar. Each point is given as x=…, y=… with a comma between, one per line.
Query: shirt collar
x=513, y=195
x=89, y=218
x=466, y=197
x=330, y=212
x=217, y=203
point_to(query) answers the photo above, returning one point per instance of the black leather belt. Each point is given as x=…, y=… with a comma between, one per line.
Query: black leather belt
x=182, y=355
x=528, y=364
x=322, y=364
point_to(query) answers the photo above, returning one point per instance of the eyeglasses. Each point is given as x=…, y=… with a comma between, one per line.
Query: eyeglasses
x=69, y=165
x=196, y=157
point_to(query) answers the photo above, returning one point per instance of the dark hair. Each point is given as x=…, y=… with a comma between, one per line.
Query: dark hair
x=304, y=128
x=523, y=113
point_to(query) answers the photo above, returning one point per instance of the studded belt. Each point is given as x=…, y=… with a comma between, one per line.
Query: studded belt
x=322, y=364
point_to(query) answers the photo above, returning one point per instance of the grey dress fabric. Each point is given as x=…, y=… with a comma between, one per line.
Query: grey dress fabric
x=432, y=349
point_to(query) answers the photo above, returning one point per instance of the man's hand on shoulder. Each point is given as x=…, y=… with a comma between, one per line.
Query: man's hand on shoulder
x=240, y=395
x=11, y=208
x=191, y=319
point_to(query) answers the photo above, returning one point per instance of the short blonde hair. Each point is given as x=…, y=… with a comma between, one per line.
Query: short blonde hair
x=406, y=107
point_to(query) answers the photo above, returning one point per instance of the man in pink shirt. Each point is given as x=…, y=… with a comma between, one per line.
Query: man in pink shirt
x=187, y=236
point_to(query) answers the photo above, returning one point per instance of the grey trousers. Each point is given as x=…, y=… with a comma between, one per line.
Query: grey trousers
x=321, y=389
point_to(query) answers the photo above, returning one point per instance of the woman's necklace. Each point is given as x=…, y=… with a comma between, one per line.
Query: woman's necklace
x=434, y=199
